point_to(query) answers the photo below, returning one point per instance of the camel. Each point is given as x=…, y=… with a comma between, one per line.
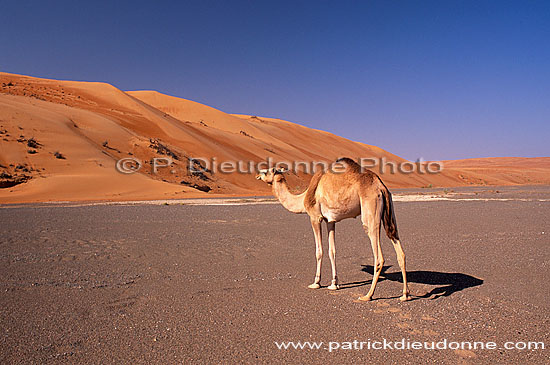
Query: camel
x=336, y=195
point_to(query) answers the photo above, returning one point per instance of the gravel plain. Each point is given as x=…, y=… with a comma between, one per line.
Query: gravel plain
x=181, y=283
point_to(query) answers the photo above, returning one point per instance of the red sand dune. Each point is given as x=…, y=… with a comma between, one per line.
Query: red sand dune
x=89, y=126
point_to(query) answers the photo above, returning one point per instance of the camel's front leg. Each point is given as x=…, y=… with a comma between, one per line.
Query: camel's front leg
x=316, y=225
x=332, y=254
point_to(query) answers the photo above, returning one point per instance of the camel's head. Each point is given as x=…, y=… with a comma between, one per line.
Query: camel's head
x=270, y=175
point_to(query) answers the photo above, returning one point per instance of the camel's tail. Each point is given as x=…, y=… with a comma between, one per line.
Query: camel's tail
x=388, y=216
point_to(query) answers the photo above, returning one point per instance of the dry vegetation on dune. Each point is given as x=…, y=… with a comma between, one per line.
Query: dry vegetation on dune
x=60, y=140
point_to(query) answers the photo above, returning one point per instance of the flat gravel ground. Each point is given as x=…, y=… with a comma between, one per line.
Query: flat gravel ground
x=222, y=284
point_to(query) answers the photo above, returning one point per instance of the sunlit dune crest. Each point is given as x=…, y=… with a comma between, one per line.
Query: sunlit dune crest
x=61, y=140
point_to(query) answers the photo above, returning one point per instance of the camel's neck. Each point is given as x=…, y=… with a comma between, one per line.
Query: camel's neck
x=292, y=202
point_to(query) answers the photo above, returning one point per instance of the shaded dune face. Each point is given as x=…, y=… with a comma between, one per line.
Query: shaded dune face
x=61, y=140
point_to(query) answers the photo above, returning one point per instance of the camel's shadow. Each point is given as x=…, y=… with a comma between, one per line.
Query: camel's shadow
x=445, y=283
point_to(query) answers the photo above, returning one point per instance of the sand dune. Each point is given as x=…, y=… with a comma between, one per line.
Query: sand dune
x=61, y=140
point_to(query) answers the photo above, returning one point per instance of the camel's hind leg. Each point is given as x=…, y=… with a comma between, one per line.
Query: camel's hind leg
x=370, y=216
x=316, y=225
x=401, y=259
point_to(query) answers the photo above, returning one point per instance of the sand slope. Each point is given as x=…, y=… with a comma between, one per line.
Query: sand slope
x=61, y=140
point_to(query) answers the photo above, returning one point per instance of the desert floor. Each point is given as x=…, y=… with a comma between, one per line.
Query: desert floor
x=221, y=284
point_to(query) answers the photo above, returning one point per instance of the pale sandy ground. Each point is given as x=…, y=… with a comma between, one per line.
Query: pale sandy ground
x=199, y=284
x=93, y=125
x=533, y=193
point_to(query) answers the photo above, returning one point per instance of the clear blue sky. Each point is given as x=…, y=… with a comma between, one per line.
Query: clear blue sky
x=432, y=79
